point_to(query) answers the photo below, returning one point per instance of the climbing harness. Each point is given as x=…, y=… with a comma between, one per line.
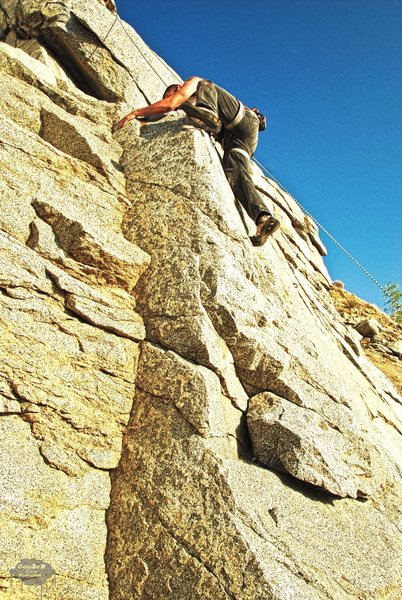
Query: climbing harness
x=240, y=151
x=331, y=237
x=239, y=115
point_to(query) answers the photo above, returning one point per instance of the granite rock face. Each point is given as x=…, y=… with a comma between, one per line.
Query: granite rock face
x=183, y=415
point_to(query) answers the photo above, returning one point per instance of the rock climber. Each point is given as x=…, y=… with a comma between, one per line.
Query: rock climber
x=212, y=108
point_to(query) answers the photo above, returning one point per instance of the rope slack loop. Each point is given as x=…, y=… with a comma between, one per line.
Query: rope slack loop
x=382, y=288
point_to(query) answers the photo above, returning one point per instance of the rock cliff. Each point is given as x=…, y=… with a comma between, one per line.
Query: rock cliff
x=183, y=415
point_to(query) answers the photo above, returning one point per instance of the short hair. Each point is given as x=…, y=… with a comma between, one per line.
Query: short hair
x=170, y=87
x=262, y=119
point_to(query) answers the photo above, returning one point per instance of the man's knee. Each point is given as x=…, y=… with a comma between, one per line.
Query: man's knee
x=205, y=90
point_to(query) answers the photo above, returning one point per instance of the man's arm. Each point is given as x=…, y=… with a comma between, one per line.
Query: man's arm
x=166, y=105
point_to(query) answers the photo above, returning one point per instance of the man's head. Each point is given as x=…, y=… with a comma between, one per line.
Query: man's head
x=261, y=118
x=171, y=89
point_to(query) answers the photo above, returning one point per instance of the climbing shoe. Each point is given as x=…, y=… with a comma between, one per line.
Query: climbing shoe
x=266, y=227
x=203, y=118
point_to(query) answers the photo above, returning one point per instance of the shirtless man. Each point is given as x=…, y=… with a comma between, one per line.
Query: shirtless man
x=212, y=108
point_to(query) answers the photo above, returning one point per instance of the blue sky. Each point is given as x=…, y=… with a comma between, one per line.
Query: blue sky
x=328, y=73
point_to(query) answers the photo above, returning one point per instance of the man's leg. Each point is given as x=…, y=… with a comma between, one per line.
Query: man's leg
x=237, y=170
x=236, y=167
x=204, y=114
x=207, y=95
x=215, y=98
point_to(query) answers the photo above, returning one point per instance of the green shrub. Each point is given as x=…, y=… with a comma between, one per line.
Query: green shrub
x=393, y=301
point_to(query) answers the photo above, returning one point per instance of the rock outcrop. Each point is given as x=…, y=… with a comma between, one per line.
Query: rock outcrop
x=183, y=415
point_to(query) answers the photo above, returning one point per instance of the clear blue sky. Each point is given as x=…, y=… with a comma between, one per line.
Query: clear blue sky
x=329, y=75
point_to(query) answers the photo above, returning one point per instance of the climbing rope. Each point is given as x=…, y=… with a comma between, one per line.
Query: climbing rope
x=117, y=18
x=105, y=38
x=145, y=58
x=331, y=237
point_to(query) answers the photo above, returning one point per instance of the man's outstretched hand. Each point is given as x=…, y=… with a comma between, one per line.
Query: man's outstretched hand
x=124, y=121
x=149, y=119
